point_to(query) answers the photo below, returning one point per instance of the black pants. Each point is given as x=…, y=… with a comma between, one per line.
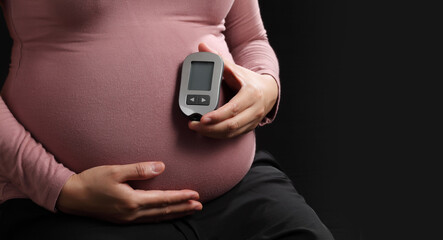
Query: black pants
x=264, y=205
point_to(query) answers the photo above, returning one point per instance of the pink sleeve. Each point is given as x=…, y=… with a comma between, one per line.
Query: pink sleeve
x=249, y=46
x=26, y=164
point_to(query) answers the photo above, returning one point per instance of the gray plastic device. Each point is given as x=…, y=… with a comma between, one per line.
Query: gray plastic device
x=200, y=84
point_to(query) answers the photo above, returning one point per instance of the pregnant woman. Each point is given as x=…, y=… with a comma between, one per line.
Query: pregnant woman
x=93, y=144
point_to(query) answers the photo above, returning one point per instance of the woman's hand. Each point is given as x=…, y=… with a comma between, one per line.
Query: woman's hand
x=102, y=192
x=256, y=96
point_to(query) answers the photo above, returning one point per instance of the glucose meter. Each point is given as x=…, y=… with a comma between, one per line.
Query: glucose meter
x=200, y=84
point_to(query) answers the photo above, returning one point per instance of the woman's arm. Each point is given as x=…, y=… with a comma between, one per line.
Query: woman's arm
x=26, y=164
x=26, y=168
x=249, y=45
x=255, y=75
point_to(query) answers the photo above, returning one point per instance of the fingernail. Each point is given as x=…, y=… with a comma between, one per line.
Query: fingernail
x=157, y=167
x=192, y=195
x=206, y=120
x=198, y=207
x=193, y=125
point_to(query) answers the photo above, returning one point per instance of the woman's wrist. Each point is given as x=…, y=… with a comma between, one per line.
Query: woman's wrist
x=270, y=91
x=69, y=190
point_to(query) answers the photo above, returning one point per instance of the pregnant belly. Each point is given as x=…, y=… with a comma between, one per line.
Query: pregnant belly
x=87, y=119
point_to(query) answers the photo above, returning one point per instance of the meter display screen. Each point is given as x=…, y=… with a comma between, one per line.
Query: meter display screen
x=201, y=76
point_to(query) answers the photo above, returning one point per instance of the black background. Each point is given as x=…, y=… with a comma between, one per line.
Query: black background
x=309, y=39
x=358, y=130
x=361, y=106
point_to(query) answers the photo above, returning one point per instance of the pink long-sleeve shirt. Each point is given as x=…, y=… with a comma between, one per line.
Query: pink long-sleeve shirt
x=95, y=82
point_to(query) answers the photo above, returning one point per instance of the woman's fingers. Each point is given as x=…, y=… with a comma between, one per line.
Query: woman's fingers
x=156, y=205
x=137, y=171
x=156, y=198
x=239, y=103
x=153, y=206
x=241, y=114
x=241, y=123
x=168, y=212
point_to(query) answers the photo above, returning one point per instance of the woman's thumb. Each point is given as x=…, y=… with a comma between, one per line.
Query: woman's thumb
x=230, y=70
x=140, y=171
x=203, y=47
